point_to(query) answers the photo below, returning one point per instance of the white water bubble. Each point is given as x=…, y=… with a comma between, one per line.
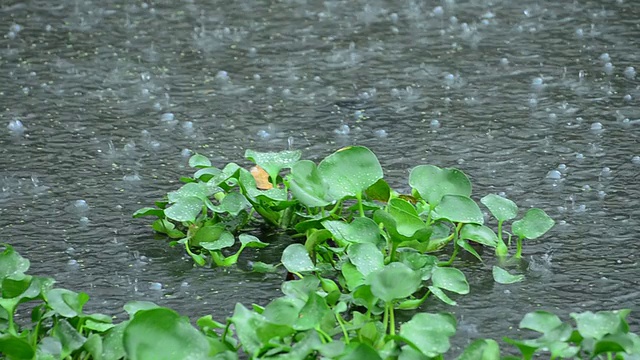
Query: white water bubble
x=156, y=286
x=286, y=93
x=393, y=17
x=562, y=167
x=596, y=127
x=252, y=52
x=72, y=263
x=343, y=130
x=167, y=117
x=435, y=123
x=537, y=83
x=579, y=33
x=84, y=221
x=81, y=205
x=381, y=133
x=438, y=11
x=187, y=126
x=449, y=79
x=131, y=177
x=579, y=156
x=601, y=194
x=554, y=175
x=636, y=160
x=605, y=57
x=605, y=172
x=533, y=102
x=263, y=134
x=608, y=68
x=627, y=98
x=16, y=127
x=630, y=73
x=222, y=76
x=256, y=77
x=586, y=187
x=186, y=153
x=553, y=116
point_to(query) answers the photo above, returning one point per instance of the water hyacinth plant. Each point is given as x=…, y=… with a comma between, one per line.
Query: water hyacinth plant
x=306, y=323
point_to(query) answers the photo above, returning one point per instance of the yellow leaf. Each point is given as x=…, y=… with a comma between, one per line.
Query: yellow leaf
x=261, y=177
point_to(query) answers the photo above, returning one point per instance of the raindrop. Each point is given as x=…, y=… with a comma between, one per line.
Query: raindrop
x=630, y=73
x=381, y=133
x=608, y=68
x=343, y=130
x=156, y=286
x=554, y=175
x=290, y=141
x=16, y=127
x=167, y=117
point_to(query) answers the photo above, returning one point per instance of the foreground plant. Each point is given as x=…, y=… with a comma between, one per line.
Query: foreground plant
x=305, y=323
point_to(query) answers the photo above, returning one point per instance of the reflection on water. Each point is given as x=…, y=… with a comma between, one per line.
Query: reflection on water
x=103, y=103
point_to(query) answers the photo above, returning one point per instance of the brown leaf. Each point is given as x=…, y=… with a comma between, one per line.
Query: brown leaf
x=261, y=177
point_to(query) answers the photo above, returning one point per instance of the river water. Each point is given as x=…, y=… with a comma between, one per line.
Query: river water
x=102, y=102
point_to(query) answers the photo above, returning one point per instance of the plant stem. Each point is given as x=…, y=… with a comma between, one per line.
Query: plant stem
x=392, y=320
x=500, y=230
x=360, y=206
x=394, y=248
x=344, y=330
x=385, y=318
x=519, y=248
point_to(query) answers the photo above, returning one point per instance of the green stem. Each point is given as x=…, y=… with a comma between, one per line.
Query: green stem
x=385, y=318
x=392, y=254
x=337, y=206
x=325, y=337
x=344, y=330
x=519, y=248
x=392, y=320
x=456, y=235
x=500, y=230
x=360, y=206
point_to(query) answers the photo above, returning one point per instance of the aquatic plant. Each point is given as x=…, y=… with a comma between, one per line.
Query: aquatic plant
x=341, y=201
x=308, y=322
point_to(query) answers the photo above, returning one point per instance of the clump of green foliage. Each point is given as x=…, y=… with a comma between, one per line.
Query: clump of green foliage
x=304, y=324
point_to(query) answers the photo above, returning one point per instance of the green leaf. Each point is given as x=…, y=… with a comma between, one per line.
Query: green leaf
x=481, y=349
x=597, y=325
x=69, y=337
x=251, y=241
x=432, y=183
x=315, y=314
x=225, y=240
x=502, y=276
x=199, y=161
x=185, y=209
x=307, y=186
x=457, y=208
x=66, y=302
x=480, y=234
x=207, y=233
x=233, y=203
x=296, y=259
x=132, y=307
x=501, y=208
x=15, y=348
x=379, y=191
x=408, y=223
x=194, y=189
x=442, y=295
x=11, y=263
x=430, y=332
x=254, y=330
x=262, y=267
x=385, y=282
x=350, y=171
x=248, y=184
x=533, y=225
x=149, y=211
x=112, y=347
x=359, y=351
x=450, y=279
x=352, y=276
x=366, y=257
x=540, y=321
x=162, y=333
x=272, y=162
x=360, y=230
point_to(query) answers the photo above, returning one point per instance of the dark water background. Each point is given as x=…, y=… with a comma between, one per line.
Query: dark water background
x=99, y=101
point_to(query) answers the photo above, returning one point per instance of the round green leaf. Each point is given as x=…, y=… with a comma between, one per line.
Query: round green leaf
x=451, y=279
x=225, y=240
x=15, y=347
x=540, y=321
x=406, y=217
x=481, y=349
x=533, y=225
x=307, y=186
x=350, y=171
x=296, y=259
x=12, y=263
x=502, y=276
x=457, y=208
x=185, y=209
x=366, y=257
x=199, y=161
x=597, y=325
x=360, y=230
x=394, y=281
x=502, y=208
x=199, y=190
x=479, y=234
x=432, y=183
x=430, y=332
x=163, y=334
x=233, y=203
x=251, y=241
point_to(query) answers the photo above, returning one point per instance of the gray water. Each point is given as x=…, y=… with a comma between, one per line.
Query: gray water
x=101, y=104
